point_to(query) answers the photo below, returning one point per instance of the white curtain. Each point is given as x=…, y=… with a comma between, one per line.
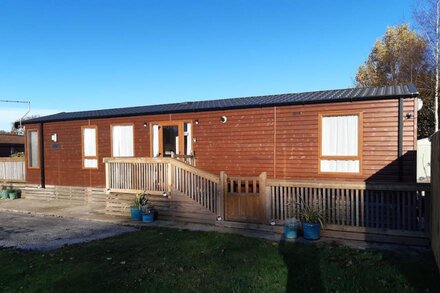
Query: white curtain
x=342, y=166
x=155, y=141
x=122, y=141
x=33, y=152
x=188, y=137
x=177, y=145
x=340, y=136
x=90, y=163
x=89, y=138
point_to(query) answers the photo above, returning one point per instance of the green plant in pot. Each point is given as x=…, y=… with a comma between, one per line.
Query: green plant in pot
x=147, y=210
x=135, y=209
x=13, y=194
x=4, y=193
x=291, y=224
x=313, y=220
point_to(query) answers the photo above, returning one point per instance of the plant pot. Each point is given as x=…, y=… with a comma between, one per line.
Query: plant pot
x=12, y=194
x=148, y=217
x=4, y=194
x=136, y=214
x=290, y=232
x=311, y=231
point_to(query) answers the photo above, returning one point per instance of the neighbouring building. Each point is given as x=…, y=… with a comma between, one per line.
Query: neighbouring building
x=11, y=144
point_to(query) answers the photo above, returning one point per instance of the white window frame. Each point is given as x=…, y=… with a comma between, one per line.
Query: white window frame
x=358, y=157
x=37, y=131
x=112, y=143
x=88, y=157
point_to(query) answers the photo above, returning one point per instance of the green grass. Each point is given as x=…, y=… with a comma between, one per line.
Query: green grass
x=156, y=260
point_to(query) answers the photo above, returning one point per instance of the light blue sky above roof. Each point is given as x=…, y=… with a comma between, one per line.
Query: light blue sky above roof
x=80, y=55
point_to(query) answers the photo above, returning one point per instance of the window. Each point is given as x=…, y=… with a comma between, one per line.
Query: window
x=33, y=153
x=122, y=141
x=340, y=143
x=89, y=143
x=171, y=138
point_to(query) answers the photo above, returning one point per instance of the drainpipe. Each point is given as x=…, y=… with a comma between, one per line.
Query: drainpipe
x=400, y=140
x=42, y=175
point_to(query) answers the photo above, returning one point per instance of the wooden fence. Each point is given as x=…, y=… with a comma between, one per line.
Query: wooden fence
x=12, y=169
x=435, y=206
x=369, y=205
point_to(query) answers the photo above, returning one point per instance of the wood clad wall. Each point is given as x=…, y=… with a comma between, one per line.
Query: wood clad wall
x=282, y=141
x=435, y=196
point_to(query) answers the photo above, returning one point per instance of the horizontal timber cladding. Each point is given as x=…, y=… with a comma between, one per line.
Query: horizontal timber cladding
x=282, y=141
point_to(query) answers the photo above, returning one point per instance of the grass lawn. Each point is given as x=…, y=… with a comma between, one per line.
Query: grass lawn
x=158, y=259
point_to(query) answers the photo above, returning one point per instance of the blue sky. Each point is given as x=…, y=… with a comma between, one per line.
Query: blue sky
x=78, y=55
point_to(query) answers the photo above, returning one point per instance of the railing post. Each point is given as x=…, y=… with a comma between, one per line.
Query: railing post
x=221, y=195
x=107, y=176
x=170, y=178
x=264, y=195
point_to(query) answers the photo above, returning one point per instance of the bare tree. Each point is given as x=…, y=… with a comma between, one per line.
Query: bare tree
x=427, y=16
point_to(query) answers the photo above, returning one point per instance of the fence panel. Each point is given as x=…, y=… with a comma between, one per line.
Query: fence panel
x=391, y=206
x=435, y=189
x=12, y=169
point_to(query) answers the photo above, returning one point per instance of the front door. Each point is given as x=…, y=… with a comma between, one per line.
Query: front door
x=171, y=139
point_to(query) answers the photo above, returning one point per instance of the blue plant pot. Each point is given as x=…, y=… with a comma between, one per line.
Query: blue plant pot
x=290, y=232
x=148, y=218
x=136, y=214
x=311, y=231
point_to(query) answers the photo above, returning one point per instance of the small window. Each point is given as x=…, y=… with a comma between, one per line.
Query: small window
x=89, y=142
x=33, y=153
x=340, y=143
x=122, y=141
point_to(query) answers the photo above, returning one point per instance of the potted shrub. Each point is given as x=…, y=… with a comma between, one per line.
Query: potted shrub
x=291, y=228
x=147, y=210
x=313, y=220
x=4, y=193
x=135, y=209
x=147, y=214
x=13, y=194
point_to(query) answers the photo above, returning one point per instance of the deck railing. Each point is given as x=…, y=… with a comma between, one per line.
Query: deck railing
x=12, y=169
x=395, y=206
x=347, y=206
x=162, y=175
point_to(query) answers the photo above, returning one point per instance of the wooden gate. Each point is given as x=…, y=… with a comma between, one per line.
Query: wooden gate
x=245, y=199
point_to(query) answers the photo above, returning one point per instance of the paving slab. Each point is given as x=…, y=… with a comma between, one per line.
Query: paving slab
x=37, y=232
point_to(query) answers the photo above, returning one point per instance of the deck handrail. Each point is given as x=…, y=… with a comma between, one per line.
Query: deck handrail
x=172, y=161
x=385, y=186
x=162, y=176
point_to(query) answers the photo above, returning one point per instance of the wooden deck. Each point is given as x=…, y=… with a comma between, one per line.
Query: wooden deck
x=395, y=213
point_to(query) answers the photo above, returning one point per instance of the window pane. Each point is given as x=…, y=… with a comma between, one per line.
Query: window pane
x=170, y=140
x=33, y=149
x=122, y=141
x=340, y=135
x=351, y=166
x=90, y=163
x=89, y=138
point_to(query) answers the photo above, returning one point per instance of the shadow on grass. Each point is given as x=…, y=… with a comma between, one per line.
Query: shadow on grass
x=303, y=269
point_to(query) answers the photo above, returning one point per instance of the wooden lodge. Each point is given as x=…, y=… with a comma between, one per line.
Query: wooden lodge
x=242, y=160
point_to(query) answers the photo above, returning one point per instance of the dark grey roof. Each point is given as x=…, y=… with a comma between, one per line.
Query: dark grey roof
x=350, y=94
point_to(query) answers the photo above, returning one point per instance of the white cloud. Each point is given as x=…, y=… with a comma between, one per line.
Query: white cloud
x=8, y=115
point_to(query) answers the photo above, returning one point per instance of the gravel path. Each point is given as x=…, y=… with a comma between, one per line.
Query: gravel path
x=30, y=232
